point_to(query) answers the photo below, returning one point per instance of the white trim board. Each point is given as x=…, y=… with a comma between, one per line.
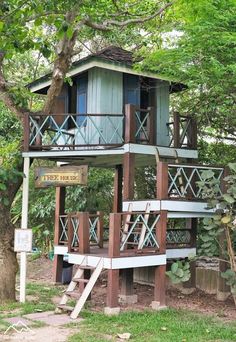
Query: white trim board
x=103, y=65
x=60, y=250
x=176, y=208
x=132, y=148
x=120, y=262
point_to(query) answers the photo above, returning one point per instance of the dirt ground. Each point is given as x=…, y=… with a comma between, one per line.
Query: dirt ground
x=40, y=270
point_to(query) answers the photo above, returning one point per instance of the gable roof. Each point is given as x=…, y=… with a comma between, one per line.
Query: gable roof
x=111, y=58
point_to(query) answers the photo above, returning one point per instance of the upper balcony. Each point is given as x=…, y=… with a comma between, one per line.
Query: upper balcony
x=73, y=132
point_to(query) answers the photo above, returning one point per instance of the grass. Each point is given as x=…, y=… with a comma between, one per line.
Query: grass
x=43, y=302
x=165, y=326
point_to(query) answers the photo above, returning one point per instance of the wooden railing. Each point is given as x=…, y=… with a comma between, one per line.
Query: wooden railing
x=183, y=132
x=60, y=132
x=72, y=226
x=143, y=236
x=180, y=181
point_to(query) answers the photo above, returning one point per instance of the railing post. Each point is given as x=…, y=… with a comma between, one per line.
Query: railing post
x=130, y=123
x=100, y=229
x=176, y=135
x=26, y=132
x=192, y=134
x=83, y=233
x=70, y=233
x=161, y=227
x=162, y=180
x=150, y=126
x=113, y=275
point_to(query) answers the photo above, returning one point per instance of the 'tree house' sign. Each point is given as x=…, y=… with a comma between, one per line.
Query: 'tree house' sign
x=61, y=176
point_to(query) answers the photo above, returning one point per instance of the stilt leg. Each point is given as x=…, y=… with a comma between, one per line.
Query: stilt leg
x=112, y=307
x=159, y=288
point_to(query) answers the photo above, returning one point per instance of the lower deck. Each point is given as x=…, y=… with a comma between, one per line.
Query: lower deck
x=125, y=260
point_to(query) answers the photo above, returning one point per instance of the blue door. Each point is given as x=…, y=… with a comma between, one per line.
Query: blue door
x=131, y=90
x=81, y=107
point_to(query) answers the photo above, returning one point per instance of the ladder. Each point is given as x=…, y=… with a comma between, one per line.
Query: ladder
x=72, y=290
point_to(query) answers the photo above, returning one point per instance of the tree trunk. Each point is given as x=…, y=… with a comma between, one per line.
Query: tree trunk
x=8, y=261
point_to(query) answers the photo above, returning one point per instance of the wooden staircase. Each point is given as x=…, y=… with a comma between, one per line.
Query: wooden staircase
x=72, y=290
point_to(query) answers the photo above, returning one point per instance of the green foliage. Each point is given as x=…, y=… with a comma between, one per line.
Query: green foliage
x=179, y=272
x=202, y=55
x=230, y=276
x=208, y=236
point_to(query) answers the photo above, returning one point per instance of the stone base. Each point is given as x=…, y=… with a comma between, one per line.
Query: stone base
x=128, y=299
x=187, y=290
x=222, y=296
x=111, y=311
x=156, y=306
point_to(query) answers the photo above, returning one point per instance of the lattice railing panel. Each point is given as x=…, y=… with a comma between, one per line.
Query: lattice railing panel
x=93, y=129
x=178, y=236
x=183, y=181
x=141, y=232
x=142, y=132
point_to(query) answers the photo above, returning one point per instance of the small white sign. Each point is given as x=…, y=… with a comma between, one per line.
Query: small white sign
x=23, y=240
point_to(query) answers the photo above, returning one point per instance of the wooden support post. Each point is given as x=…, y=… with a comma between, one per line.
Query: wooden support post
x=150, y=126
x=113, y=275
x=129, y=172
x=128, y=194
x=161, y=227
x=130, y=124
x=59, y=210
x=160, y=288
x=100, y=228
x=176, y=130
x=162, y=181
x=26, y=132
x=117, y=202
x=190, y=285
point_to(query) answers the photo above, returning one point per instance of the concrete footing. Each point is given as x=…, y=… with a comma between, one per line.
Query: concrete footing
x=222, y=296
x=187, y=290
x=131, y=299
x=156, y=306
x=111, y=311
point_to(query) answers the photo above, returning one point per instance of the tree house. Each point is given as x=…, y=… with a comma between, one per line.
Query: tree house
x=113, y=115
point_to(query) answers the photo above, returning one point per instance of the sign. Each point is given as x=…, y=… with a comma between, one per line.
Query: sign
x=61, y=176
x=23, y=240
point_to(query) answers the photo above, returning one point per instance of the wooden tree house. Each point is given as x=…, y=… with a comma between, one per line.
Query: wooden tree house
x=114, y=116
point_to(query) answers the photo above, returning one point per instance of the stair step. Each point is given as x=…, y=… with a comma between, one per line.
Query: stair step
x=80, y=280
x=65, y=307
x=132, y=243
x=85, y=267
x=73, y=294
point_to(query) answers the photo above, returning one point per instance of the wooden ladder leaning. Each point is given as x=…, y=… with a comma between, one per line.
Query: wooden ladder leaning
x=72, y=290
x=140, y=229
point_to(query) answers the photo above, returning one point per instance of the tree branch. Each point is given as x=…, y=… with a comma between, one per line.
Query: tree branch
x=108, y=24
